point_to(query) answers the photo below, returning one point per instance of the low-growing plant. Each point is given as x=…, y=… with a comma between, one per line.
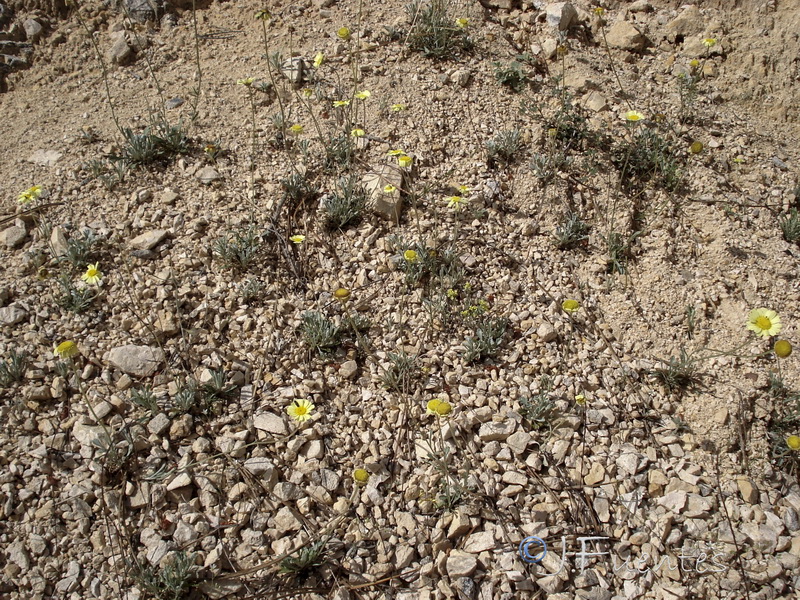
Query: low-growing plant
x=300, y=565
x=790, y=226
x=319, y=332
x=73, y=298
x=297, y=188
x=251, y=289
x=217, y=389
x=546, y=165
x=571, y=231
x=486, y=341
x=435, y=32
x=12, y=369
x=648, y=156
x=80, y=248
x=401, y=373
x=619, y=251
x=238, y=249
x=347, y=204
x=679, y=372
x=504, y=147
x=174, y=581
x=145, y=398
x=339, y=150
x=511, y=75
x=540, y=411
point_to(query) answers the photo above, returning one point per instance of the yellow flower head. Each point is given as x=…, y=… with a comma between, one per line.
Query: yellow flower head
x=764, y=322
x=580, y=400
x=92, y=275
x=342, y=294
x=782, y=348
x=247, y=81
x=452, y=294
x=389, y=188
x=343, y=33
x=361, y=476
x=694, y=63
x=599, y=10
x=297, y=239
x=571, y=306
x=397, y=107
x=363, y=94
x=710, y=42
x=32, y=193
x=300, y=410
x=263, y=15
x=696, y=147
x=463, y=190
x=357, y=133
x=339, y=103
x=296, y=129
x=318, y=60
x=66, y=349
x=395, y=152
x=405, y=161
x=793, y=441
x=439, y=407
x=633, y=115
x=462, y=23
x=410, y=256
x=455, y=202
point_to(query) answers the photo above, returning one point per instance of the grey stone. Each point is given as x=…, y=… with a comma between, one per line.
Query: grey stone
x=625, y=36
x=348, y=370
x=13, y=236
x=688, y=23
x=33, y=30
x=546, y=332
x=259, y=465
x=518, y=442
x=493, y=430
x=11, y=315
x=208, y=175
x=286, y=491
x=181, y=480
x=58, y=241
x=479, y=542
x=140, y=10
x=561, y=15
x=466, y=589
x=158, y=424
x=139, y=361
x=293, y=69
x=120, y=52
x=173, y=103
x=285, y=521
x=460, y=564
x=149, y=239
x=271, y=423
x=184, y=534
x=461, y=77
x=45, y=158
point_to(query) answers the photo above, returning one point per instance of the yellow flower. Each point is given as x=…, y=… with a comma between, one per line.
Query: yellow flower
x=410, y=256
x=694, y=63
x=300, y=410
x=343, y=33
x=318, y=60
x=571, y=306
x=296, y=129
x=338, y=103
x=247, y=81
x=263, y=15
x=455, y=202
x=764, y=322
x=696, y=147
x=452, y=294
x=404, y=161
x=793, y=441
x=66, y=350
x=397, y=107
x=32, y=193
x=438, y=407
x=388, y=188
x=361, y=476
x=710, y=42
x=92, y=275
x=599, y=10
x=633, y=115
x=580, y=399
x=463, y=190
x=395, y=152
x=363, y=94
x=462, y=23
x=297, y=239
x=782, y=348
x=357, y=133
x=342, y=294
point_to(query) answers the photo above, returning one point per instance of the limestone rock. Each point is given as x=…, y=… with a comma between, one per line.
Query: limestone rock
x=271, y=423
x=13, y=236
x=461, y=564
x=149, y=239
x=139, y=361
x=11, y=315
x=208, y=175
x=561, y=15
x=120, y=52
x=625, y=36
x=387, y=204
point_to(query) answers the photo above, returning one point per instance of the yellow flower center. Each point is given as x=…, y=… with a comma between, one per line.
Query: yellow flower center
x=764, y=323
x=300, y=410
x=793, y=442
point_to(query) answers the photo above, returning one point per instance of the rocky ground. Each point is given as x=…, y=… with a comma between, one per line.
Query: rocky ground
x=459, y=406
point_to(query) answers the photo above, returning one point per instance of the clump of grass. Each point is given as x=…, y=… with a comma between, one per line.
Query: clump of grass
x=679, y=373
x=320, y=333
x=511, y=75
x=251, y=289
x=540, y=410
x=347, y=204
x=146, y=399
x=217, y=389
x=619, y=251
x=504, y=147
x=73, y=298
x=488, y=337
x=401, y=372
x=571, y=231
x=547, y=165
x=12, y=369
x=647, y=157
x=172, y=582
x=339, y=150
x=434, y=32
x=158, y=141
x=790, y=226
x=111, y=173
x=297, y=188
x=301, y=565
x=238, y=249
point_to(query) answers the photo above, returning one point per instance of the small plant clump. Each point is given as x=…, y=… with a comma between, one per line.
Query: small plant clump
x=435, y=32
x=346, y=205
x=237, y=250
